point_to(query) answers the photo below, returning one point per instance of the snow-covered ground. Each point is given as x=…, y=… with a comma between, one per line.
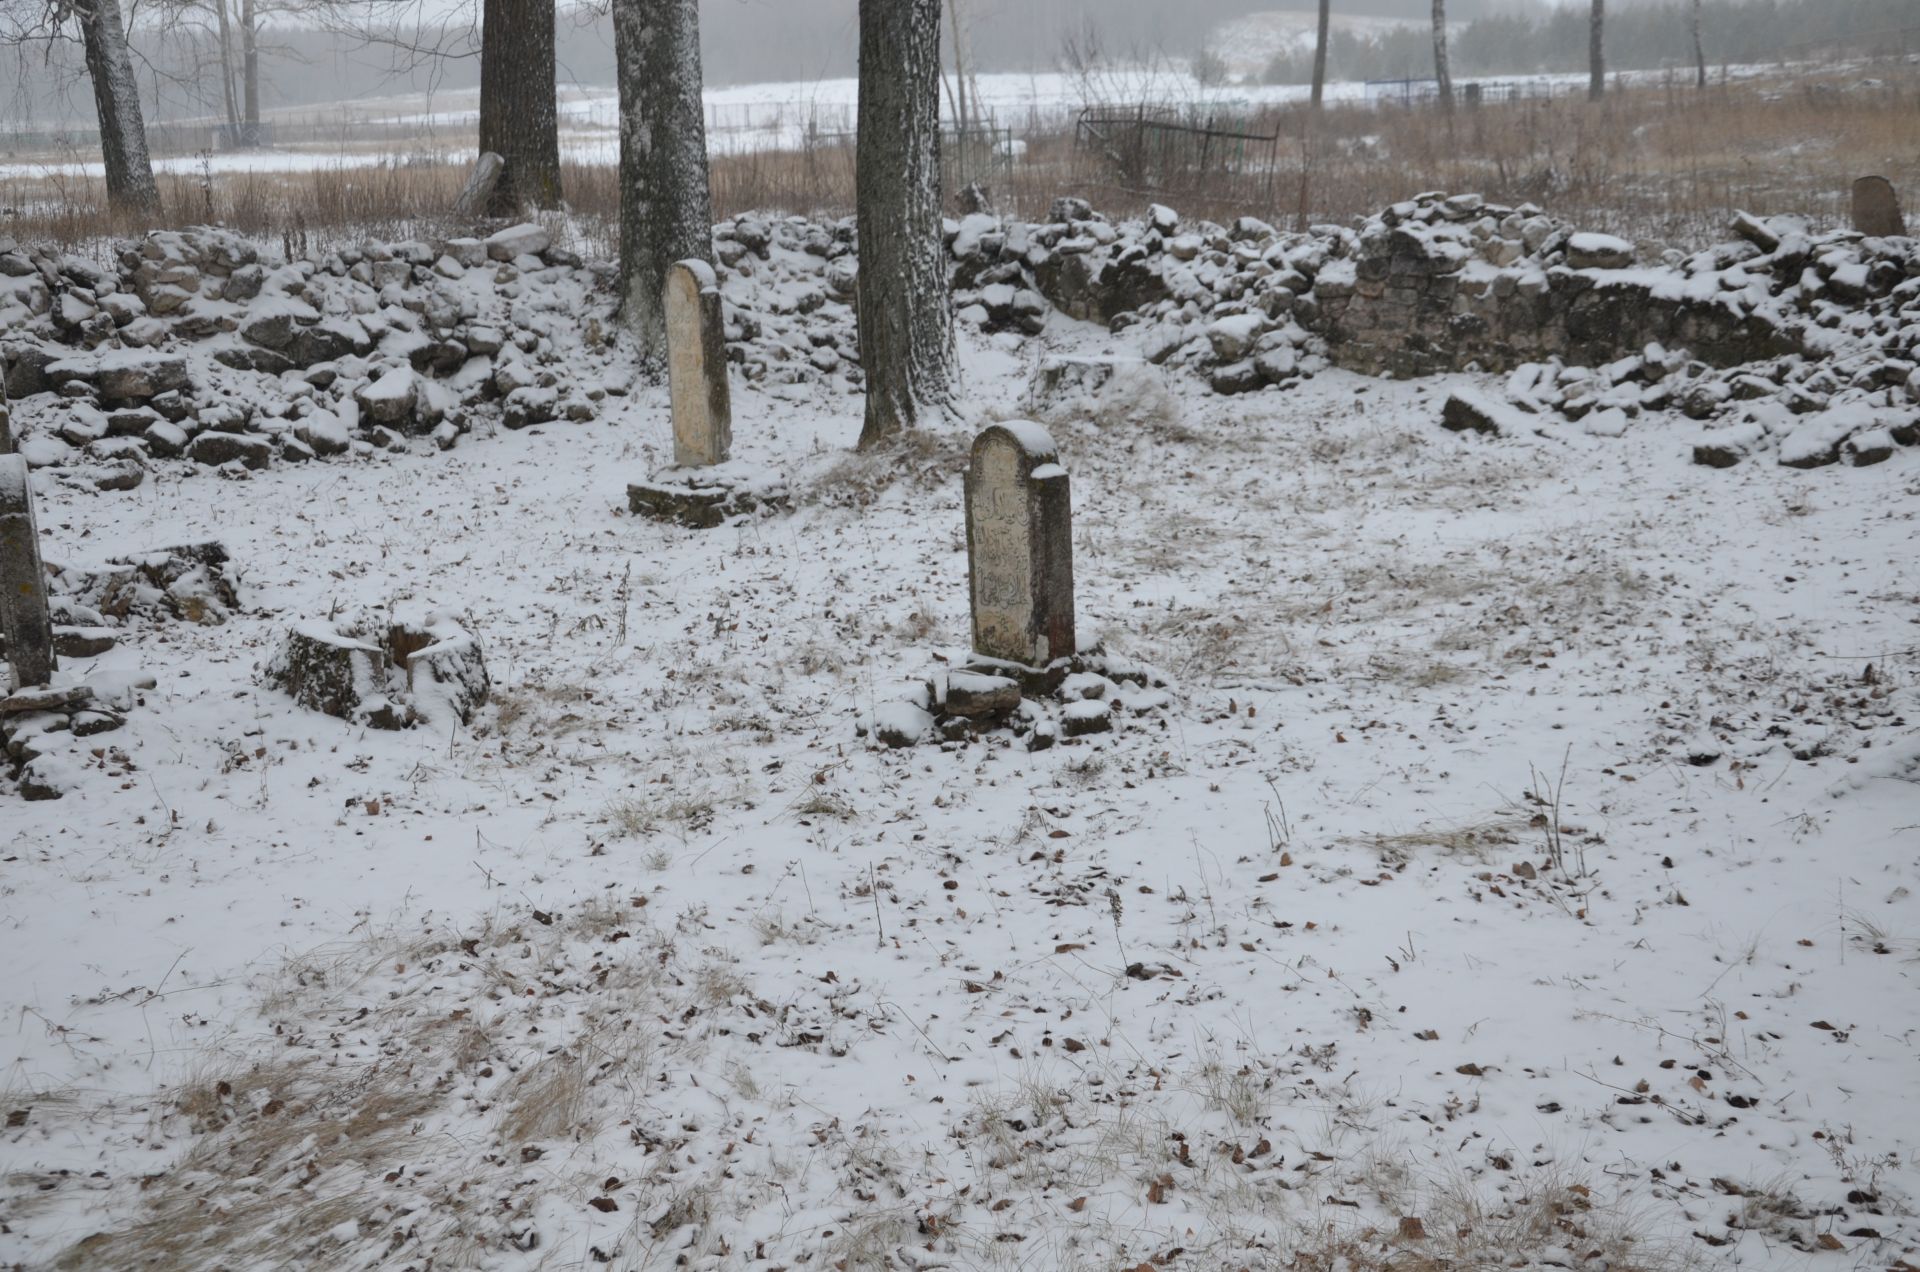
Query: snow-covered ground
x=1470, y=899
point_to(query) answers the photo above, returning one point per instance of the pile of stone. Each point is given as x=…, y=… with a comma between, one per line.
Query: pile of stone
x=788, y=285
x=49, y=732
x=1782, y=340
x=1072, y=698
x=200, y=343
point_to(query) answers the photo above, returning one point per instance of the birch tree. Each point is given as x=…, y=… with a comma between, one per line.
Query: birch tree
x=900, y=297
x=666, y=212
x=1320, y=53
x=1597, y=51
x=1441, y=74
x=518, y=115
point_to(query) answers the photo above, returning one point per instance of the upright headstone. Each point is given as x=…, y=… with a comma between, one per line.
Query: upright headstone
x=1876, y=208
x=24, y=619
x=697, y=366
x=1020, y=546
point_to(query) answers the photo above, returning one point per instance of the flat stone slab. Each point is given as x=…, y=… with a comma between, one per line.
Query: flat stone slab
x=45, y=698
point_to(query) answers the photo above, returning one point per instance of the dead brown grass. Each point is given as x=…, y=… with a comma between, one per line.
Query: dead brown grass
x=1665, y=161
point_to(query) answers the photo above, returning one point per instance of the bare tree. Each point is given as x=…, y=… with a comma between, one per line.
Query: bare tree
x=1320, y=53
x=116, y=99
x=250, y=72
x=666, y=212
x=518, y=114
x=224, y=54
x=906, y=329
x=1441, y=73
x=1597, y=51
x=1699, y=50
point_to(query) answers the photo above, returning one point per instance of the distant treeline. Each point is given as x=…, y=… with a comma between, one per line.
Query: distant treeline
x=743, y=42
x=1646, y=37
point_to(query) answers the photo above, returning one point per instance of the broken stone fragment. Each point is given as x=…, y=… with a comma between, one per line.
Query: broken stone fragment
x=1089, y=715
x=83, y=642
x=1467, y=413
x=445, y=674
x=518, y=240
x=974, y=694
x=901, y=724
x=217, y=448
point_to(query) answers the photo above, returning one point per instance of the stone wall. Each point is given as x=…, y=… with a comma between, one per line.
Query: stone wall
x=1412, y=305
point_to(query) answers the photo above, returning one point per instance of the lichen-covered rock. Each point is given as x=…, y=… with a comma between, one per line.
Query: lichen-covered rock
x=336, y=674
x=216, y=448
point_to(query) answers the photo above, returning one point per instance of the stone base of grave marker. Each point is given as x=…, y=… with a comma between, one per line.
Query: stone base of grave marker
x=702, y=498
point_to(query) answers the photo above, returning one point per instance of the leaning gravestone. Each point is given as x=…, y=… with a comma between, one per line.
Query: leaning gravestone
x=1020, y=547
x=1876, y=208
x=478, y=191
x=697, y=366
x=24, y=617
x=704, y=488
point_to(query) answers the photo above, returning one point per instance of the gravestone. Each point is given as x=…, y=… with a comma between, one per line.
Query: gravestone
x=24, y=618
x=1020, y=546
x=1876, y=208
x=477, y=193
x=697, y=366
x=6, y=424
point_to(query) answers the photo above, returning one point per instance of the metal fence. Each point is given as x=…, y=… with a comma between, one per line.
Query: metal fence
x=1154, y=150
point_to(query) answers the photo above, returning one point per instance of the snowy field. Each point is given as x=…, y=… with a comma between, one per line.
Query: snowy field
x=753, y=118
x=1523, y=874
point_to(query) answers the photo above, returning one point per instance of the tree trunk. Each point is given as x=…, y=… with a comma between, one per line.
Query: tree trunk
x=1597, y=52
x=518, y=119
x=116, y=98
x=906, y=328
x=250, y=72
x=959, y=71
x=666, y=213
x=1699, y=50
x=1320, y=53
x=1440, y=71
x=232, y=99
